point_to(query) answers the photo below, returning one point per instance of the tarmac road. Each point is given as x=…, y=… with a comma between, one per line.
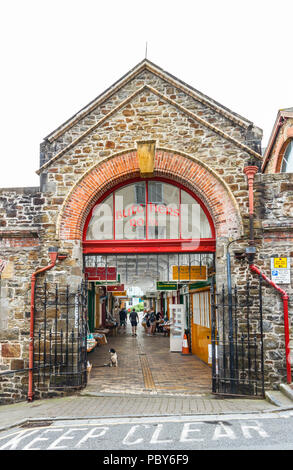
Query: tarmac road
x=262, y=431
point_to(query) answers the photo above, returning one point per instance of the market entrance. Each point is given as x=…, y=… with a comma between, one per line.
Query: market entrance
x=149, y=245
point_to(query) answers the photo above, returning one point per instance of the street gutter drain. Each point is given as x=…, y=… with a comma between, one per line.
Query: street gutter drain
x=36, y=424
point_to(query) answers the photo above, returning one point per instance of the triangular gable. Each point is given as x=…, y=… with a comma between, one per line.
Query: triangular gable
x=281, y=116
x=151, y=67
x=165, y=98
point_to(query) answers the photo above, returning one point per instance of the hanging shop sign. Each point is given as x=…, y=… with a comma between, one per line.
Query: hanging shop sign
x=200, y=284
x=189, y=273
x=280, y=270
x=116, y=288
x=101, y=273
x=150, y=294
x=166, y=286
x=120, y=294
x=102, y=283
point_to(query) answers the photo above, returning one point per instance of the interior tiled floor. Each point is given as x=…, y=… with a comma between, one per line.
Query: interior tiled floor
x=146, y=365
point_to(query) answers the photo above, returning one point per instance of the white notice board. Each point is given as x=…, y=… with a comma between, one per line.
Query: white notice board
x=280, y=270
x=177, y=320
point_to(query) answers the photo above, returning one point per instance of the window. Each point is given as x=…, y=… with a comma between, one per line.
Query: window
x=287, y=161
x=148, y=210
x=201, y=309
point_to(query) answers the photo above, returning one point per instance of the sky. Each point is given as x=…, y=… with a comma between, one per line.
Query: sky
x=57, y=56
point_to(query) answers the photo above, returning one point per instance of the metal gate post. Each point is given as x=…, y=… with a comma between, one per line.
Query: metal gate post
x=213, y=333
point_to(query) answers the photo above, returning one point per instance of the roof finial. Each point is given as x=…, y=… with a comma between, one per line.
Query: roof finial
x=146, y=50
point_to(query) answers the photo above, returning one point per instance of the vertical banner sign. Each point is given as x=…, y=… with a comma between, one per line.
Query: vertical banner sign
x=280, y=270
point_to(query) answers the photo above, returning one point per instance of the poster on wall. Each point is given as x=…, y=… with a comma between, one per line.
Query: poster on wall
x=280, y=270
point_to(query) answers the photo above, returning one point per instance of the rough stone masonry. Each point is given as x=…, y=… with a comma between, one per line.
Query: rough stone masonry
x=199, y=143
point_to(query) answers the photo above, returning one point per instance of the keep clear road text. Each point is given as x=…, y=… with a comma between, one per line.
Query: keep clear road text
x=231, y=432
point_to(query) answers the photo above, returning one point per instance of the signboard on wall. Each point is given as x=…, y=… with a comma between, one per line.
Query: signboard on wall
x=120, y=294
x=163, y=286
x=101, y=273
x=189, y=273
x=115, y=288
x=280, y=270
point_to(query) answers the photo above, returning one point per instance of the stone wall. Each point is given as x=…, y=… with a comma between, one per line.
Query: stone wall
x=274, y=209
x=20, y=228
x=194, y=134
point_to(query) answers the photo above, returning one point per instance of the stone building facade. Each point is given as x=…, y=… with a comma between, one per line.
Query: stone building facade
x=199, y=144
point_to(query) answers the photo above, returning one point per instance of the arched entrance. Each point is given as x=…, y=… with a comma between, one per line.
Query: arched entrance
x=158, y=234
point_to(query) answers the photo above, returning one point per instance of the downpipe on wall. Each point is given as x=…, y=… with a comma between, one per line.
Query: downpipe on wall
x=250, y=172
x=53, y=254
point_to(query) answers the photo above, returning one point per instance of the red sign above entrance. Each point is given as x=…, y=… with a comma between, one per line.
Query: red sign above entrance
x=101, y=273
x=118, y=288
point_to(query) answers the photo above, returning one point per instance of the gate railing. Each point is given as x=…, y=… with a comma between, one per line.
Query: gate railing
x=237, y=340
x=60, y=332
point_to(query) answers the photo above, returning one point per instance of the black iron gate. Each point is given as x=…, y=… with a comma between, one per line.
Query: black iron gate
x=60, y=338
x=237, y=339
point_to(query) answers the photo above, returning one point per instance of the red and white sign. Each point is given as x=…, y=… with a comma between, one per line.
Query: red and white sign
x=118, y=288
x=101, y=273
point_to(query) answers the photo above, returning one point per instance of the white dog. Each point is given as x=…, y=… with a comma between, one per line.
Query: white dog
x=113, y=358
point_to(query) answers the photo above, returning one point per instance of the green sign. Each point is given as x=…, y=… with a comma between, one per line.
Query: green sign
x=167, y=286
x=198, y=285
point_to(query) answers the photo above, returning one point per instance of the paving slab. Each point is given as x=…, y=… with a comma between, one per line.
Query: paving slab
x=83, y=407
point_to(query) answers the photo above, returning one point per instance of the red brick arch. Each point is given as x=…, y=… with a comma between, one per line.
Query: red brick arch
x=184, y=169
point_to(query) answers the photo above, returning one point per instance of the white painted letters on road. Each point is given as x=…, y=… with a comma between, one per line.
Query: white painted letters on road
x=187, y=429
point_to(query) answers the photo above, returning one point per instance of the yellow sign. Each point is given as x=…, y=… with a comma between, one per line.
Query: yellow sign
x=146, y=157
x=280, y=262
x=189, y=273
x=119, y=294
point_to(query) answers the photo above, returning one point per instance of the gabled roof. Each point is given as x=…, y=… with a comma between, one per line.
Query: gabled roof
x=281, y=116
x=149, y=66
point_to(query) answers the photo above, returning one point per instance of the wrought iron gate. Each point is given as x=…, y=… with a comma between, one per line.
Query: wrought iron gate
x=237, y=340
x=60, y=338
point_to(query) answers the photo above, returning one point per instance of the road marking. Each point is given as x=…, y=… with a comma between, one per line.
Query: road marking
x=138, y=434
x=250, y=425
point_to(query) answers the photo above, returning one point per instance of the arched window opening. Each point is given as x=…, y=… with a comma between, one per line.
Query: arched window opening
x=287, y=161
x=149, y=210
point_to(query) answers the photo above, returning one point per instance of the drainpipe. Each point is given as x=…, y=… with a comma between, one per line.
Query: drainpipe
x=285, y=299
x=53, y=254
x=250, y=172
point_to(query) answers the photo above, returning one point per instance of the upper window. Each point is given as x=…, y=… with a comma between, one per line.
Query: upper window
x=148, y=210
x=287, y=161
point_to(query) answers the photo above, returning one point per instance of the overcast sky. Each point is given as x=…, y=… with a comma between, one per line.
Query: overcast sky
x=56, y=56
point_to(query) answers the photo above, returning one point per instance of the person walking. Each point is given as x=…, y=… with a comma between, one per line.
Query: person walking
x=123, y=315
x=153, y=322
x=134, y=319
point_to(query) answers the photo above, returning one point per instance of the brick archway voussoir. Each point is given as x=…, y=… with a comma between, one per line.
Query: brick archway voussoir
x=182, y=168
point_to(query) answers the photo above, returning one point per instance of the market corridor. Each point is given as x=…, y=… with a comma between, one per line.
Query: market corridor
x=146, y=365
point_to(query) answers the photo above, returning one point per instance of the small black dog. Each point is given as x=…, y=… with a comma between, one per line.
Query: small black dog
x=113, y=358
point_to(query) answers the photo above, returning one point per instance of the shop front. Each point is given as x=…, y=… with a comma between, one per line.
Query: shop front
x=150, y=234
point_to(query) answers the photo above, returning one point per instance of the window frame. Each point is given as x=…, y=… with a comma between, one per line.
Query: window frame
x=280, y=158
x=149, y=245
